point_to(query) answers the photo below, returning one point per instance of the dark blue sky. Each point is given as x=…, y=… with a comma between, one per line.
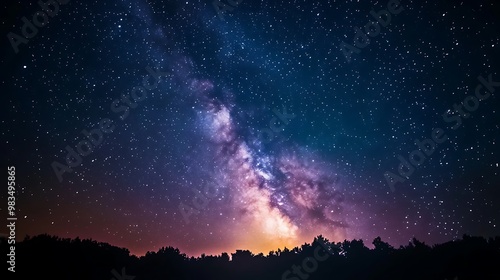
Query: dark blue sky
x=214, y=119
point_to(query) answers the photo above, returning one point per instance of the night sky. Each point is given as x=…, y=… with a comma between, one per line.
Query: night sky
x=252, y=129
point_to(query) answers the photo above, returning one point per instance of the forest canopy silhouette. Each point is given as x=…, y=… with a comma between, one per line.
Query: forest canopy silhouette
x=64, y=258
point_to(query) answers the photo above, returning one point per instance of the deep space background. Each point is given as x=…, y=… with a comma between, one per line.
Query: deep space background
x=206, y=125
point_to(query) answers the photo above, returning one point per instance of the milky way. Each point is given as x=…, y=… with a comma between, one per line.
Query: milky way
x=281, y=199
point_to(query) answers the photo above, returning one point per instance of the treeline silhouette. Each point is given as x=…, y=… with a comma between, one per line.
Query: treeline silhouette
x=52, y=257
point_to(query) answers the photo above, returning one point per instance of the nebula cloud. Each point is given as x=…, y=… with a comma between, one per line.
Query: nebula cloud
x=281, y=200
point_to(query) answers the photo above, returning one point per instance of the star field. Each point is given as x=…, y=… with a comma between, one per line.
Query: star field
x=261, y=110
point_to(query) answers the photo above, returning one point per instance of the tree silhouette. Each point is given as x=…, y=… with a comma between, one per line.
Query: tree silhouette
x=468, y=258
